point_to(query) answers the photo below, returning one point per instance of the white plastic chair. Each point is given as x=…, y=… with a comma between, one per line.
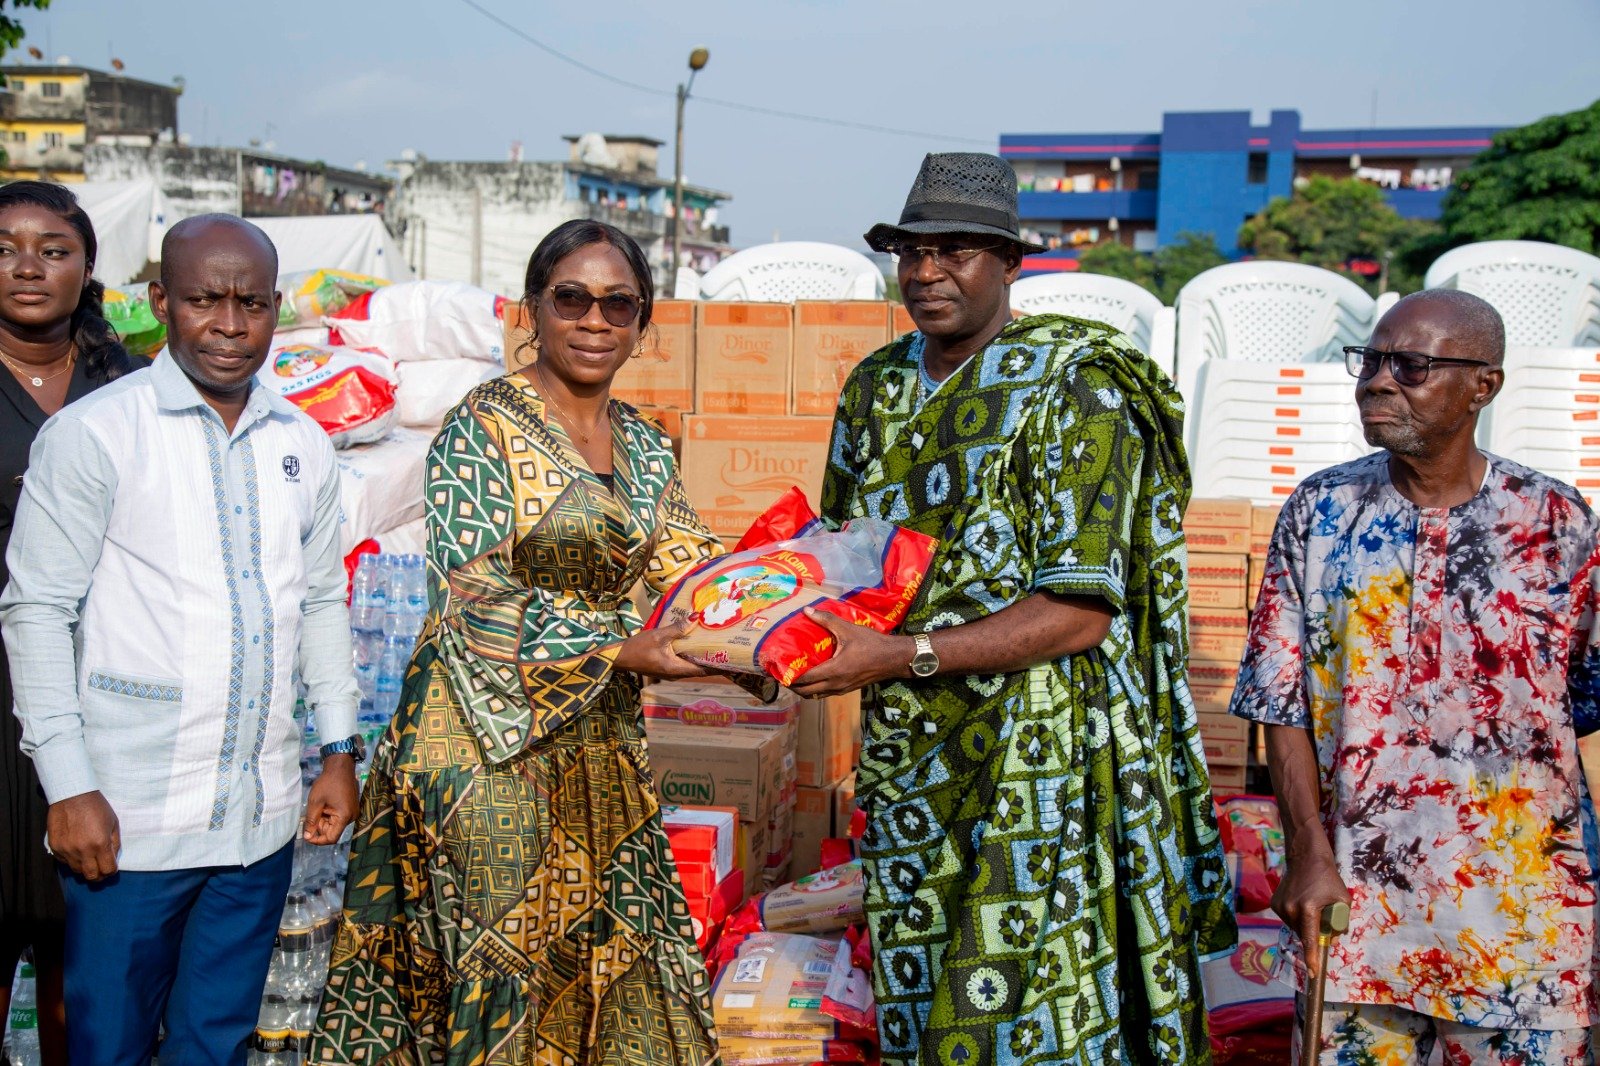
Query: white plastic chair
x=1548, y=294
x=794, y=270
x=1120, y=304
x=1268, y=312
x=687, y=284
x=1548, y=414
x=1263, y=428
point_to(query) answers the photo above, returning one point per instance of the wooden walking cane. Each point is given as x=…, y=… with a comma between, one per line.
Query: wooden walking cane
x=1335, y=920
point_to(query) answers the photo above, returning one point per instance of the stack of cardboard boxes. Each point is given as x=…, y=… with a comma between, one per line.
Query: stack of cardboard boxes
x=1218, y=534
x=746, y=391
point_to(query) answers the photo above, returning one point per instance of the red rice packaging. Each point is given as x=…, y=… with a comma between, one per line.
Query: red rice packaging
x=349, y=393
x=747, y=609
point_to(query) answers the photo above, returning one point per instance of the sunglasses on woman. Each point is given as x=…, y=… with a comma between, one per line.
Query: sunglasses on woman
x=572, y=303
x=1407, y=368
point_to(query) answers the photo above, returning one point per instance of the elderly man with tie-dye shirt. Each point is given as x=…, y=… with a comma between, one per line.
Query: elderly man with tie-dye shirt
x=1424, y=655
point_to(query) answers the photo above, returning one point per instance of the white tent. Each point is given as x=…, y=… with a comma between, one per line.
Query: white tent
x=358, y=243
x=129, y=221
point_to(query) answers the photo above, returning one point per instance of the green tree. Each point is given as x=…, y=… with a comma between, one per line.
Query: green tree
x=1540, y=182
x=1119, y=261
x=1332, y=223
x=1163, y=273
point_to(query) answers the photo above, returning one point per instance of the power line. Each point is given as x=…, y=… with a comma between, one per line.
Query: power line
x=735, y=105
x=586, y=68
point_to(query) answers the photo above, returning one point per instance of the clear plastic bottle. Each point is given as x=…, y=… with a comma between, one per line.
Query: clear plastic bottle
x=391, y=674
x=296, y=932
x=22, y=1026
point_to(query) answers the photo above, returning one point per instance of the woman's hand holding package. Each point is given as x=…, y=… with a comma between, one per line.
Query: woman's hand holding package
x=649, y=653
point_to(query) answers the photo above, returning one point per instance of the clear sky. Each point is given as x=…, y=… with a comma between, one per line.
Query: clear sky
x=345, y=81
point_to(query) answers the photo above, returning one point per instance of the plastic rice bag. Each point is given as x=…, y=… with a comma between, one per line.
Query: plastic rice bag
x=747, y=609
x=128, y=312
x=310, y=294
x=824, y=902
x=349, y=393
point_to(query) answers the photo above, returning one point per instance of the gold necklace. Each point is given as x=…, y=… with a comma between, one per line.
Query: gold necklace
x=34, y=379
x=562, y=411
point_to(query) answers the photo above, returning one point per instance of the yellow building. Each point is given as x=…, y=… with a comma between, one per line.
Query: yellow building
x=49, y=113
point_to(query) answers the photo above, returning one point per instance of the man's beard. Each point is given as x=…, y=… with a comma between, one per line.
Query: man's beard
x=1397, y=438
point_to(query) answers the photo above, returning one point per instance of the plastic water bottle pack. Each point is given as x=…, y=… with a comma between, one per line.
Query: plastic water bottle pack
x=22, y=1024
x=299, y=967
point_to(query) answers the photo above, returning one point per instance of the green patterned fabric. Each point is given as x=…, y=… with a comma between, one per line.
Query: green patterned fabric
x=512, y=897
x=1045, y=872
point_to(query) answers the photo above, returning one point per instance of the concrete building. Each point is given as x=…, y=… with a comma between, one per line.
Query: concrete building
x=240, y=181
x=479, y=221
x=49, y=115
x=1209, y=171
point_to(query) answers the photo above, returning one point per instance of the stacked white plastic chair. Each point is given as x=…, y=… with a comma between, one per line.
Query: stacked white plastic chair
x=1548, y=414
x=1122, y=305
x=1260, y=362
x=794, y=270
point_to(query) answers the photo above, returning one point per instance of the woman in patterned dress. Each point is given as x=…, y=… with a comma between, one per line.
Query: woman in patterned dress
x=511, y=894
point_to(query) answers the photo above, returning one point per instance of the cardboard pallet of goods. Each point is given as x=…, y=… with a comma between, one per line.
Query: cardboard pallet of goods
x=735, y=466
x=830, y=338
x=741, y=768
x=1218, y=525
x=662, y=374
x=742, y=358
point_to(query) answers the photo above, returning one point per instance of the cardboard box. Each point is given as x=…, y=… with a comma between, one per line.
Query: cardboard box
x=1258, y=574
x=716, y=703
x=1220, y=569
x=742, y=356
x=1211, y=699
x=900, y=322
x=752, y=855
x=1263, y=521
x=827, y=730
x=698, y=766
x=1214, y=673
x=662, y=375
x=734, y=467
x=1218, y=636
x=1218, y=525
x=844, y=805
x=830, y=338
x=705, y=845
x=518, y=332
x=813, y=823
x=1210, y=597
x=1226, y=779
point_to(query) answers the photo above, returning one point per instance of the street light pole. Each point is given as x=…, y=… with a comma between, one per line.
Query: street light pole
x=697, y=60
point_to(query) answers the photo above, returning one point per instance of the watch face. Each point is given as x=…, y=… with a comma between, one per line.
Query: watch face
x=924, y=667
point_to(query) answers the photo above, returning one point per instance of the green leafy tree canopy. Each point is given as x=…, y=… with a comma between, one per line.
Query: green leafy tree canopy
x=1332, y=223
x=11, y=31
x=1165, y=272
x=1537, y=183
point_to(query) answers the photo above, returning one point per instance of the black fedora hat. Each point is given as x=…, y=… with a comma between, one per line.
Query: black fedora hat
x=958, y=192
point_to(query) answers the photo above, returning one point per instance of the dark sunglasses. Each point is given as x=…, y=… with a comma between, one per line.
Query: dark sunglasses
x=572, y=303
x=1407, y=368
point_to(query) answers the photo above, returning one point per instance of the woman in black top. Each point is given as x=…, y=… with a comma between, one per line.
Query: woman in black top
x=55, y=346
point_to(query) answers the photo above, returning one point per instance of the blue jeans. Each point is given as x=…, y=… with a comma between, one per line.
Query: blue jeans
x=184, y=948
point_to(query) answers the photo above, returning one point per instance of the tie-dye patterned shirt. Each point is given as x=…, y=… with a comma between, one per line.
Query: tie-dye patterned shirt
x=1446, y=661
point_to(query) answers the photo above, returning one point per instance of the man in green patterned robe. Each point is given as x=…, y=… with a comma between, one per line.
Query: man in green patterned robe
x=1045, y=873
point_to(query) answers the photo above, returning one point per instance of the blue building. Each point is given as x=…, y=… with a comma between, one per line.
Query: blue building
x=1209, y=171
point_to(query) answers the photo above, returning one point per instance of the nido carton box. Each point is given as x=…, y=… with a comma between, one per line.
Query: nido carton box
x=662, y=374
x=1263, y=520
x=1218, y=525
x=742, y=353
x=827, y=730
x=734, y=466
x=829, y=340
x=741, y=768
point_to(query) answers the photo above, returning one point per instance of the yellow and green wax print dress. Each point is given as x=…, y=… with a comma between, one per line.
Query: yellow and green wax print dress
x=511, y=896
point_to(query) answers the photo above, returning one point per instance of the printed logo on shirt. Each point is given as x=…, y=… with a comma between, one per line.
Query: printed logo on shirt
x=291, y=467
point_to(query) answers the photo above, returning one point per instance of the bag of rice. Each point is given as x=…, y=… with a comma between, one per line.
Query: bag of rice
x=773, y=987
x=754, y=1051
x=828, y=901
x=310, y=294
x=747, y=610
x=349, y=393
x=414, y=321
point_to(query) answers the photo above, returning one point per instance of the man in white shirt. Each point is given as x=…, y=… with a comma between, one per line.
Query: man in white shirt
x=175, y=577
